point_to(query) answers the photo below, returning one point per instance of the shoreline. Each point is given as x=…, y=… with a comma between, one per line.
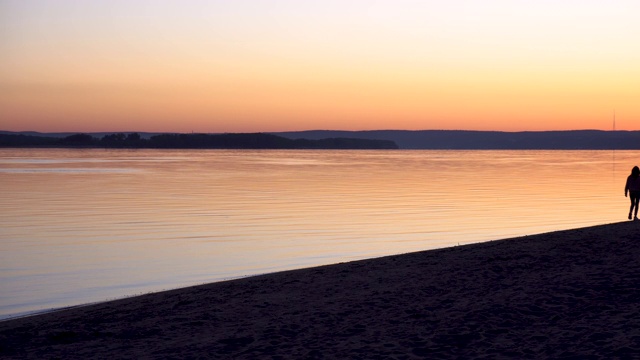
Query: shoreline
x=559, y=294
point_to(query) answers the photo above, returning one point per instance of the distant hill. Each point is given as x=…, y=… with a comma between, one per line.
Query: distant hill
x=188, y=141
x=461, y=140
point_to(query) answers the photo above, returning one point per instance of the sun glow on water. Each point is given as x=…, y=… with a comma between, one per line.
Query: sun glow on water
x=91, y=225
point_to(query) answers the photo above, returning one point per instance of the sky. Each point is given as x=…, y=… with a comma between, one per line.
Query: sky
x=285, y=65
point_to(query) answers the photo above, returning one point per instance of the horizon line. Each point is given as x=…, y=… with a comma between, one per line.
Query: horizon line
x=299, y=131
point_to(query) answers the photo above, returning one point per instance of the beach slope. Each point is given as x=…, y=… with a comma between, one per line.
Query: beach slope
x=567, y=295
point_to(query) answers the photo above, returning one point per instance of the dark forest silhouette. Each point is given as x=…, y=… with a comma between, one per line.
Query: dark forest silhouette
x=191, y=141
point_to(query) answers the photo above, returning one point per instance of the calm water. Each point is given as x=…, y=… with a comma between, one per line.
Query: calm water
x=79, y=226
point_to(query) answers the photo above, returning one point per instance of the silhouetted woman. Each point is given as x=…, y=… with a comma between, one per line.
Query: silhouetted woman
x=633, y=187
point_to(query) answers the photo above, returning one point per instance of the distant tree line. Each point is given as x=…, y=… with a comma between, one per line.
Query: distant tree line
x=191, y=141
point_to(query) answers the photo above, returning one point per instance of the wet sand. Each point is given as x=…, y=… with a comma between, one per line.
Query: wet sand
x=565, y=295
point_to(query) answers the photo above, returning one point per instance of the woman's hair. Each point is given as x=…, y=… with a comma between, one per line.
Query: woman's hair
x=635, y=172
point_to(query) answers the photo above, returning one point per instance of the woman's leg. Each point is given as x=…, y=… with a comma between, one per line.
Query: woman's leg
x=635, y=199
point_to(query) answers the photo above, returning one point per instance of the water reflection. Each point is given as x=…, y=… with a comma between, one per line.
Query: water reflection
x=87, y=225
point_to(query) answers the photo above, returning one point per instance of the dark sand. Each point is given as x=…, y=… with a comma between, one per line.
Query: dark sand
x=563, y=295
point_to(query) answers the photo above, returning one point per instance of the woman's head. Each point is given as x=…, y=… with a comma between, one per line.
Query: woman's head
x=635, y=172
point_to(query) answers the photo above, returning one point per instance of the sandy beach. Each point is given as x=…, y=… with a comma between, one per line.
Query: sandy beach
x=562, y=295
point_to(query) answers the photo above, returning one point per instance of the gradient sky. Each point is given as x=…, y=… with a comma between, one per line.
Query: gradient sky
x=268, y=65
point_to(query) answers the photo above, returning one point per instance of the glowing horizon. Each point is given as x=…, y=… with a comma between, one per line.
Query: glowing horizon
x=267, y=65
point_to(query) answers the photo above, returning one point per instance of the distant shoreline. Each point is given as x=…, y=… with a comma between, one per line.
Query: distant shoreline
x=336, y=139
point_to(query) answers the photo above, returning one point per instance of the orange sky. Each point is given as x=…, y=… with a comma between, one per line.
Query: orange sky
x=252, y=65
